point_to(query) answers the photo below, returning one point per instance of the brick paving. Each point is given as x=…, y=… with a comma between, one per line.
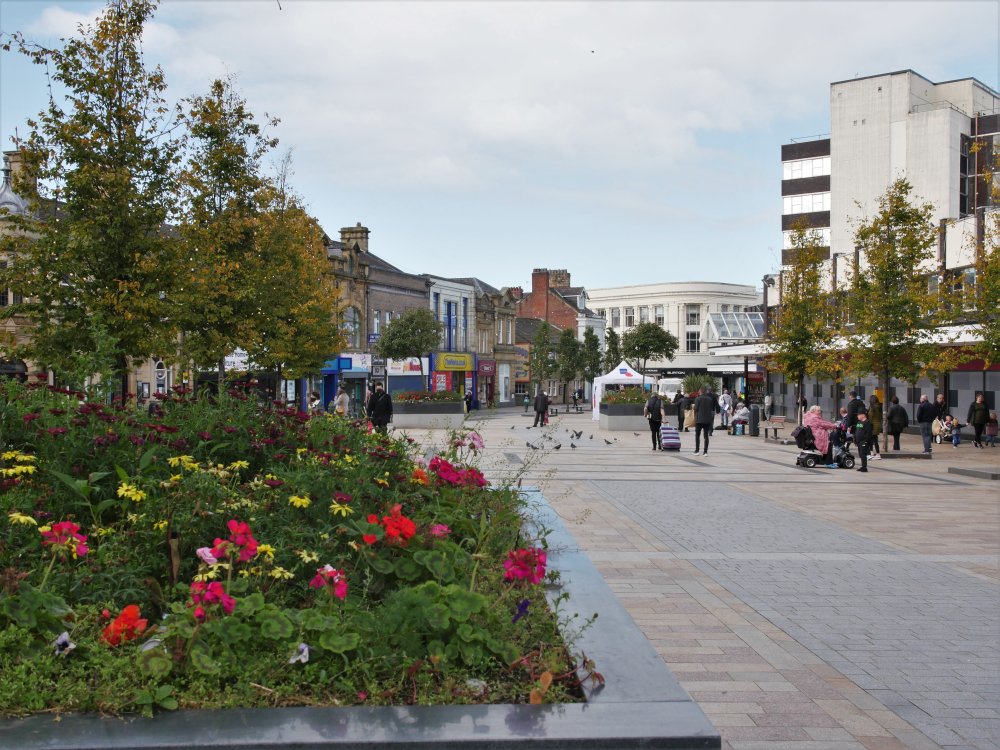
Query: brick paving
x=804, y=609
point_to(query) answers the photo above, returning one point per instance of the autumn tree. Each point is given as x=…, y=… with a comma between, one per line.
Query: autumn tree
x=986, y=315
x=415, y=333
x=799, y=336
x=612, y=350
x=893, y=315
x=222, y=303
x=98, y=172
x=541, y=361
x=568, y=356
x=647, y=341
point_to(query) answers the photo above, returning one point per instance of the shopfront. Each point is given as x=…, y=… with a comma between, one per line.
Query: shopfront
x=453, y=371
x=486, y=390
x=406, y=374
x=351, y=371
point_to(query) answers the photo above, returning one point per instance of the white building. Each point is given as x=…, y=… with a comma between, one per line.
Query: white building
x=698, y=313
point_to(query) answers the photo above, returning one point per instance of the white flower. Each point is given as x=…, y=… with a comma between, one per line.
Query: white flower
x=301, y=654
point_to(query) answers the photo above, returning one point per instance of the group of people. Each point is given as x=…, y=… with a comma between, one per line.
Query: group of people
x=378, y=405
x=936, y=421
x=703, y=406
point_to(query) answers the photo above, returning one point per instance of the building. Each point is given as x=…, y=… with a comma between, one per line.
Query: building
x=525, y=385
x=453, y=365
x=493, y=342
x=697, y=313
x=943, y=138
x=556, y=301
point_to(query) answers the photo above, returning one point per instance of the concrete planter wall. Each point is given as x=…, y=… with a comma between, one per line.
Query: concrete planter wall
x=640, y=705
x=619, y=417
x=446, y=415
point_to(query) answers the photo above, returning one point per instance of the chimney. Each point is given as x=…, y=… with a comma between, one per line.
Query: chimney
x=517, y=292
x=540, y=281
x=559, y=278
x=355, y=235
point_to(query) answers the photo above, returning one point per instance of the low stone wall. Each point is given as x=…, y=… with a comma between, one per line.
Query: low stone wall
x=640, y=705
x=427, y=416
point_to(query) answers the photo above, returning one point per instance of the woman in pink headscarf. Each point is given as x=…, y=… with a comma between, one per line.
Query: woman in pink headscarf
x=813, y=419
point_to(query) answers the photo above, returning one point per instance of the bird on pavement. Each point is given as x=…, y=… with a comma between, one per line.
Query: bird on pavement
x=591, y=437
x=572, y=444
x=557, y=446
x=636, y=434
x=512, y=427
x=608, y=441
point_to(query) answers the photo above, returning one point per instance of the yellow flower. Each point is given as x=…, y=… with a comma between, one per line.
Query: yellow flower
x=339, y=509
x=16, y=517
x=17, y=456
x=348, y=458
x=299, y=502
x=239, y=465
x=159, y=525
x=381, y=482
x=209, y=574
x=134, y=518
x=280, y=573
x=306, y=556
x=354, y=545
x=266, y=549
x=15, y=471
x=177, y=460
x=132, y=492
x=101, y=531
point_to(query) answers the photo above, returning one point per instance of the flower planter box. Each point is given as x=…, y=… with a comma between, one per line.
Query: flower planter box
x=424, y=415
x=640, y=705
x=620, y=417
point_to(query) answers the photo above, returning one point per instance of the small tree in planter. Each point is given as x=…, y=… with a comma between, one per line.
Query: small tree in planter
x=413, y=334
x=646, y=341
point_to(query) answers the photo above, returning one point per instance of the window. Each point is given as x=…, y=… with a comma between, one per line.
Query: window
x=352, y=327
x=693, y=342
x=376, y=321
x=723, y=308
x=388, y=317
x=800, y=168
x=643, y=314
x=601, y=313
x=820, y=234
x=615, y=317
x=693, y=315
x=658, y=315
x=437, y=306
x=629, y=317
x=806, y=203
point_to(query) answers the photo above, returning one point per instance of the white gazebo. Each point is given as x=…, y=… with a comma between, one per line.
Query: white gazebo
x=621, y=375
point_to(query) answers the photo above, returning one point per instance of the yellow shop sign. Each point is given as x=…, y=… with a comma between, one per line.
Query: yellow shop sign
x=454, y=362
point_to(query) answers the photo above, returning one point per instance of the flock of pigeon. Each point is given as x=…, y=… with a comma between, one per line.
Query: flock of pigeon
x=573, y=434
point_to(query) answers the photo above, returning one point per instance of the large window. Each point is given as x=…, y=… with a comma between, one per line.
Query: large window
x=658, y=315
x=806, y=203
x=693, y=342
x=629, y=317
x=799, y=168
x=644, y=314
x=377, y=321
x=693, y=315
x=615, y=317
x=352, y=328
x=820, y=234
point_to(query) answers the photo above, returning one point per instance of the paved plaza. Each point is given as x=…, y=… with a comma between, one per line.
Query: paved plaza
x=808, y=609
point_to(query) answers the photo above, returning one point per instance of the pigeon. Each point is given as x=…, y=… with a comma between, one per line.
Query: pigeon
x=591, y=437
x=608, y=441
x=527, y=443
x=557, y=446
x=636, y=434
x=579, y=434
x=572, y=444
x=512, y=427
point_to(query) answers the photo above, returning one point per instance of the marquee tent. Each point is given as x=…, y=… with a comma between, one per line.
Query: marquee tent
x=621, y=375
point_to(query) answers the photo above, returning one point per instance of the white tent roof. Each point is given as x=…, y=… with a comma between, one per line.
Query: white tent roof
x=621, y=375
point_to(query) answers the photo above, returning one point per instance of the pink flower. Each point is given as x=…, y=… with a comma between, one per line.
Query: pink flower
x=476, y=441
x=525, y=565
x=206, y=556
x=439, y=530
x=240, y=540
x=63, y=538
x=332, y=579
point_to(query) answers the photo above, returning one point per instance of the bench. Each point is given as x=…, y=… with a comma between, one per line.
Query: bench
x=774, y=423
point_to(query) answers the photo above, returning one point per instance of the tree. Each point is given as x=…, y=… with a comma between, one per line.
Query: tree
x=99, y=168
x=413, y=334
x=893, y=315
x=568, y=352
x=647, y=341
x=986, y=316
x=612, y=350
x=693, y=383
x=799, y=336
x=541, y=361
x=221, y=302
x=590, y=356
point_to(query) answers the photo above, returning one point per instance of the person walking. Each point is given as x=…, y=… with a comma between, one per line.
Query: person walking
x=926, y=414
x=315, y=403
x=341, y=403
x=705, y=409
x=683, y=402
x=725, y=407
x=978, y=416
x=863, y=438
x=541, y=407
x=653, y=411
x=897, y=421
x=991, y=429
x=854, y=407
x=380, y=409
x=875, y=417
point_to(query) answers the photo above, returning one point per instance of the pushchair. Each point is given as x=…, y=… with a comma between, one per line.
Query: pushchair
x=809, y=455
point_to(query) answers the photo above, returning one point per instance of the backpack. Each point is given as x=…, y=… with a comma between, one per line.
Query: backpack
x=654, y=406
x=803, y=437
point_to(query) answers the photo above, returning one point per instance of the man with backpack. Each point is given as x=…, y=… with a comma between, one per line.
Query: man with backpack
x=653, y=411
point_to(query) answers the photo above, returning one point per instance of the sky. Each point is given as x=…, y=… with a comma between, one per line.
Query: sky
x=627, y=142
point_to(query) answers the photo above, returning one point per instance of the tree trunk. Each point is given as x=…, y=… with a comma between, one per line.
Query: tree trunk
x=222, y=374
x=885, y=410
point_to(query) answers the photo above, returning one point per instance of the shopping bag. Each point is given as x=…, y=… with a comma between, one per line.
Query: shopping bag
x=689, y=418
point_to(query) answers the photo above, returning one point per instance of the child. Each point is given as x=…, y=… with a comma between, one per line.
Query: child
x=991, y=429
x=955, y=429
x=946, y=427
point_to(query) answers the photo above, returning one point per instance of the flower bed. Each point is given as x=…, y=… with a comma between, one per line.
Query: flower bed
x=421, y=397
x=220, y=555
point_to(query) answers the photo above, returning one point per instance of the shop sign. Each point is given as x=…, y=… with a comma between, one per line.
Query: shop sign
x=487, y=367
x=453, y=362
x=408, y=366
x=442, y=381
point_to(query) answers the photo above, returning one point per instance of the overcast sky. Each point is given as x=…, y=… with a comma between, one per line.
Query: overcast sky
x=628, y=142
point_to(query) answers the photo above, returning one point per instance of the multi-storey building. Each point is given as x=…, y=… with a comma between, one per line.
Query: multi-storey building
x=944, y=139
x=697, y=313
x=493, y=342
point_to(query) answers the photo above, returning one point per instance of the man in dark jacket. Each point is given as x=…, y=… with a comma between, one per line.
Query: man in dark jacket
x=541, y=406
x=926, y=414
x=683, y=402
x=705, y=409
x=380, y=408
x=897, y=421
x=863, y=438
x=653, y=411
x=854, y=407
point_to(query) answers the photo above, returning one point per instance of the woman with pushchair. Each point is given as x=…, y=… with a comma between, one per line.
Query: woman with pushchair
x=813, y=419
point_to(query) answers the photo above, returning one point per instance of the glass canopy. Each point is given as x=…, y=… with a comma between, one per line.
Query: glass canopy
x=736, y=326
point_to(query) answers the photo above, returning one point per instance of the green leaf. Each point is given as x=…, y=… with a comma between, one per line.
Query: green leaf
x=168, y=704
x=463, y=603
x=201, y=659
x=233, y=631
x=155, y=663
x=250, y=605
x=407, y=569
x=162, y=691
x=123, y=475
x=313, y=619
x=79, y=486
x=381, y=564
x=275, y=625
x=147, y=458
x=339, y=642
x=437, y=563
x=437, y=616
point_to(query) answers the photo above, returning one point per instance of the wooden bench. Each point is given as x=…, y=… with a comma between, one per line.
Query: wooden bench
x=774, y=423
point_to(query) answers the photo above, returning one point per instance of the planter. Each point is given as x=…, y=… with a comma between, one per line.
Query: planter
x=640, y=705
x=425, y=415
x=620, y=417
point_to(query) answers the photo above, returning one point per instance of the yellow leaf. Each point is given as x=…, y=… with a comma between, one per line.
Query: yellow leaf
x=536, y=697
x=546, y=680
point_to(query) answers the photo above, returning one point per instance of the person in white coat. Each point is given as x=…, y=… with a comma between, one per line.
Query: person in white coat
x=725, y=407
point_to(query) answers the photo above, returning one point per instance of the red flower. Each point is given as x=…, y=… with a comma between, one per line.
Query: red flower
x=525, y=565
x=240, y=541
x=335, y=581
x=63, y=537
x=126, y=627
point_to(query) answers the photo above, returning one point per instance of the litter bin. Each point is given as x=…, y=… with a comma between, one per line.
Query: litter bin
x=754, y=421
